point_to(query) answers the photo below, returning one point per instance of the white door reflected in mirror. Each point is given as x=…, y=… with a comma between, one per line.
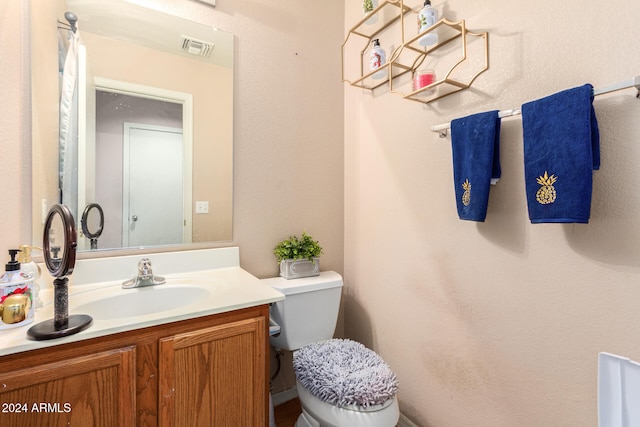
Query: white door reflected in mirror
x=152, y=186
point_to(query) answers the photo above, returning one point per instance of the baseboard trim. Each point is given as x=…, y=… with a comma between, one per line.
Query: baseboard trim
x=406, y=422
x=284, y=396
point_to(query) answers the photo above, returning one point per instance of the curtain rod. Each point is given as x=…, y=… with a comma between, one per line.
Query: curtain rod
x=634, y=82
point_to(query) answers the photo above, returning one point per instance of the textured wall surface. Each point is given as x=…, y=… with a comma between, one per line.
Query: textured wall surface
x=15, y=122
x=490, y=324
x=496, y=323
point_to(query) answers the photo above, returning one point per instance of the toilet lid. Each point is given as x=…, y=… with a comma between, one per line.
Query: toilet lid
x=344, y=373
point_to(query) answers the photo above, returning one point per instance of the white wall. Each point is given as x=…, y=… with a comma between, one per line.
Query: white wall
x=496, y=323
x=15, y=122
x=288, y=123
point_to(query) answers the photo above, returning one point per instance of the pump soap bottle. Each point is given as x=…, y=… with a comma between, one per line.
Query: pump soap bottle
x=377, y=58
x=16, y=289
x=426, y=18
x=29, y=266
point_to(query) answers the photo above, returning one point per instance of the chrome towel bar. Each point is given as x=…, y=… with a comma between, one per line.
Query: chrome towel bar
x=634, y=82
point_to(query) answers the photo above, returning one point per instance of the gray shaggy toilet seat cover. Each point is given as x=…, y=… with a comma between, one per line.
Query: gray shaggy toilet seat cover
x=344, y=373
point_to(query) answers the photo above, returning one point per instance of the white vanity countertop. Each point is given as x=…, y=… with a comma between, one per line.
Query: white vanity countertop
x=222, y=288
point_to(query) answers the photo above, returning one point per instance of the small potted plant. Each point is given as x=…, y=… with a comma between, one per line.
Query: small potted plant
x=298, y=257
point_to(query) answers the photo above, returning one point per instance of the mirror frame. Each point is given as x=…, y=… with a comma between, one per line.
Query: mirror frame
x=93, y=236
x=68, y=260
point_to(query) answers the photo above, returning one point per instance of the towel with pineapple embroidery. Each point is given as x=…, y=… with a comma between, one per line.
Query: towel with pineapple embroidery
x=475, y=146
x=561, y=151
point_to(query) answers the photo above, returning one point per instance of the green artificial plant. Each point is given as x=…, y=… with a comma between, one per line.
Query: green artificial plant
x=297, y=248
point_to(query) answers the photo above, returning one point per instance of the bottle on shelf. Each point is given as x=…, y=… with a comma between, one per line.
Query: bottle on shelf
x=427, y=16
x=29, y=266
x=367, y=7
x=377, y=58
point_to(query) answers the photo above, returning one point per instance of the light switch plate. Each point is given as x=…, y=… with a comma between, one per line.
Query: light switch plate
x=202, y=207
x=45, y=210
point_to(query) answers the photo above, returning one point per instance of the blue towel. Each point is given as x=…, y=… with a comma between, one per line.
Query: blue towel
x=561, y=150
x=475, y=145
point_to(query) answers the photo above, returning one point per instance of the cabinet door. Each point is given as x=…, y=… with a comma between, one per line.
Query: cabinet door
x=93, y=390
x=215, y=376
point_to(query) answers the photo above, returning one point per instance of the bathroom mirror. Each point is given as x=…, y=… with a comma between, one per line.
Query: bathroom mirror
x=134, y=56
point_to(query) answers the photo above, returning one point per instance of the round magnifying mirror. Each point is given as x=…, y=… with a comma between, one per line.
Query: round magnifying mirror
x=59, y=241
x=59, y=250
x=92, y=223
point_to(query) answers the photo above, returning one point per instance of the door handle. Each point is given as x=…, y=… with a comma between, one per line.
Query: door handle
x=134, y=218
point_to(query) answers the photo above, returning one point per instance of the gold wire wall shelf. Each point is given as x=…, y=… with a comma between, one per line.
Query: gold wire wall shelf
x=406, y=59
x=388, y=13
x=451, y=80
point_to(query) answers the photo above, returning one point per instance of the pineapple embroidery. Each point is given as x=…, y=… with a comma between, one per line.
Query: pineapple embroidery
x=466, y=196
x=547, y=193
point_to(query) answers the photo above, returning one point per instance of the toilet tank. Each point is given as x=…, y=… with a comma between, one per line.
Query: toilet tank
x=309, y=311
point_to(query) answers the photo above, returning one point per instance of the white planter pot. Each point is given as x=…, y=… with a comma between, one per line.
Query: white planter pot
x=296, y=268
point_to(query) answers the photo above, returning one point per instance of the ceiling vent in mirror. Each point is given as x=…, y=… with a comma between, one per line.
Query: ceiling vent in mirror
x=195, y=46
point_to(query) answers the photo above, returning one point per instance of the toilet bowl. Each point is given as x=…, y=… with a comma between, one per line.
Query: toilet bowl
x=307, y=316
x=315, y=409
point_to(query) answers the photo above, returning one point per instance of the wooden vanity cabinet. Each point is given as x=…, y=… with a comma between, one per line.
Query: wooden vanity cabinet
x=208, y=371
x=205, y=374
x=96, y=389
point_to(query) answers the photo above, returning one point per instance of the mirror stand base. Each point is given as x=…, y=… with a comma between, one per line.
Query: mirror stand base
x=48, y=330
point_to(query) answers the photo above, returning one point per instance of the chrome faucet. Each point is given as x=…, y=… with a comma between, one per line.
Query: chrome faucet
x=145, y=276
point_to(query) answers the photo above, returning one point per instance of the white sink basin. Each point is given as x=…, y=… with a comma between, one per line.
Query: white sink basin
x=176, y=293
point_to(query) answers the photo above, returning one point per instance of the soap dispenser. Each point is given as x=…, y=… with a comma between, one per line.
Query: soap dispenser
x=16, y=287
x=426, y=18
x=29, y=266
x=377, y=58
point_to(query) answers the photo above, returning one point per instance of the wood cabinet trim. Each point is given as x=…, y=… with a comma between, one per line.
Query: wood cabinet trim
x=255, y=327
x=124, y=359
x=229, y=329
x=54, y=370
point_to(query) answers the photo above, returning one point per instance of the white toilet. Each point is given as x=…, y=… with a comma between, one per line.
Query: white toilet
x=307, y=317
